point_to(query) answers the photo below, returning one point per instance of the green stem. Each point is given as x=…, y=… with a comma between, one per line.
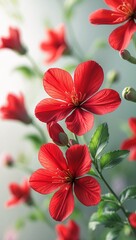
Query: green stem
x=40, y=131
x=35, y=67
x=42, y=215
x=76, y=138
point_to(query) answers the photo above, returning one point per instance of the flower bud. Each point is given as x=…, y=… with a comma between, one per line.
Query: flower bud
x=112, y=76
x=129, y=94
x=125, y=54
x=57, y=134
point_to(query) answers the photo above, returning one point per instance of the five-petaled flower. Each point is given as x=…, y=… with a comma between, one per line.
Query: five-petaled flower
x=65, y=175
x=20, y=194
x=13, y=41
x=130, y=143
x=132, y=219
x=14, y=109
x=69, y=231
x=76, y=100
x=121, y=11
x=54, y=44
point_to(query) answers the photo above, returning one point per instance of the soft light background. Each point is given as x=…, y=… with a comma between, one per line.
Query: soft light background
x=31, y=17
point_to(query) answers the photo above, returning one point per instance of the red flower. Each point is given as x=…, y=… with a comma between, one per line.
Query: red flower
x=65, y=175
x=54, y=44
x=70, y=231
x=121, y=11
x=78, y=98
x=132, y=219
x=57, y=134
x=13, y=41
x=20, y=194
x=15, y=109
x=130, y=143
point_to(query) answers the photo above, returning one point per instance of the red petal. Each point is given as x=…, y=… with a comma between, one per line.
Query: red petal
x=128, y=143
x=79, y=161
x=12, y=202
x=54, y=54
x=121, y=36
x=87, y=190
x=114, y=4
x=51, y=157
x=86, y=73
x=70, y=231
x=132, y=124
x=58, y=83
x=132, y=155
x=103, y=16
x=105, y=101
x=52, y=110
x=41, y=181
x=62, y=203
x=80, y=122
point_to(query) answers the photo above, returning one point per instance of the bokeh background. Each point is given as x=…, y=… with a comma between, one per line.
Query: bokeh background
x=32, y=17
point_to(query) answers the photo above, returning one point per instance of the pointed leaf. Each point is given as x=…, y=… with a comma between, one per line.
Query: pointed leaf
x=113, y=234
x=129, y=192
x=26, y=71
x=99, y=140
x=35, y=140
x=111, y=159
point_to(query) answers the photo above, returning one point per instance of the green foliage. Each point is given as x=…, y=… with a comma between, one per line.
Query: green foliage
x=128, y=193
x=113, y=234
x=69, y=7
x=99, y=140
x=36, y=215
x=34, y=139
x=108, y=203
x=108, y=219
x=20, y=223
x=111, y=159
x=26, y=71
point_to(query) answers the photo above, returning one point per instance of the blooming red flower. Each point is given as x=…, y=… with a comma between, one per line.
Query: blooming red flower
x=132, y=219
x=78, y=98
x=57, y=134
x=69, y=231
x=54, y=44
x=13, y=41
x=130, y=143
x=15, y=109
x=121, y=11
x=20, y=193
x=65, y=175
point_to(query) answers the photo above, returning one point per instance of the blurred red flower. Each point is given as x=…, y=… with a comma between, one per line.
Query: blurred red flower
x=69, y=231
x=130, y=143
x=57, y=134
x=6, y=160
x=132, y=219
x=14, y=109
x=121, y=11
x=13, y=41
x=78, y=98
x=20, y=194
x=54, y=44
x=64, y=175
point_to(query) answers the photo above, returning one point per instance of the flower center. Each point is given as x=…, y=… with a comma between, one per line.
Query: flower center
x=62, y=176
x=126, y=9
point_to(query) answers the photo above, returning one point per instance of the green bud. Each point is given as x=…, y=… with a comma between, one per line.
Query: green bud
x=112, y=76
x=129, y=94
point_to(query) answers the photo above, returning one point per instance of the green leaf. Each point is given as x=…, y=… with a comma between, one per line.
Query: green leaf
x=129, y=192
x=20, y=223
x=26, y=71
x=113, y=234
x=99, y=140
x=111, y=159
x=108, y=203
x=36, y=215
x=35, y=140
x=93, y=173
x=108, y=219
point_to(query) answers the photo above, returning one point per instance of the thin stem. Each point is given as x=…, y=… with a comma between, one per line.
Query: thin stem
x=42, y=215
x=35, y=66
x=76, y=138
x=120, y=204
x=40, y=131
